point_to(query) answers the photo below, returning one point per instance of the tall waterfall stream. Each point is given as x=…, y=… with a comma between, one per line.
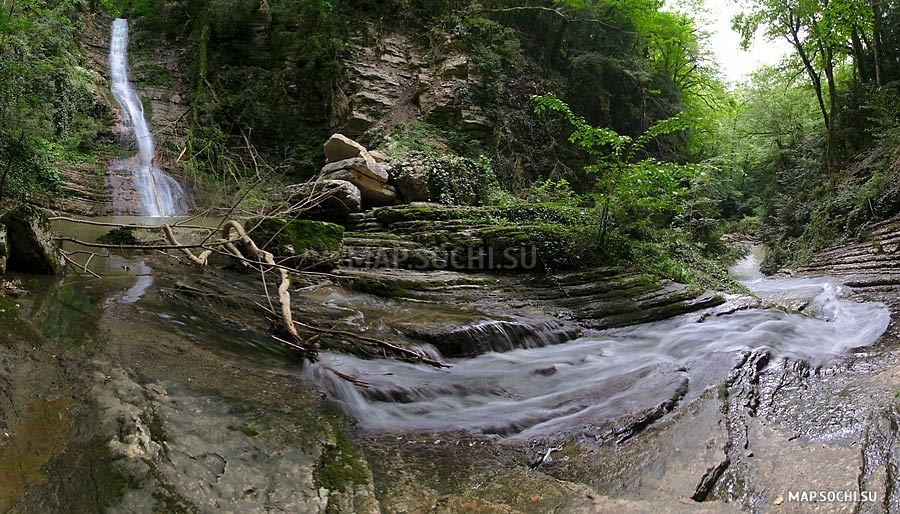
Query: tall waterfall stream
x=158, y=193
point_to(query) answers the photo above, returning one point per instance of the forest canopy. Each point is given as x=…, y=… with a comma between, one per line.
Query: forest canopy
x=802, y=153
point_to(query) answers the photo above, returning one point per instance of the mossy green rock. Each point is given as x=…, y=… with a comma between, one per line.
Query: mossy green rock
x=538, y=237
x=119, y=236
x=300, y=243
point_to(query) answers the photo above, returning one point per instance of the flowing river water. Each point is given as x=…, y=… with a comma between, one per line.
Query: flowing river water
x=200, y=403
x=534, y=391
x=555, y=388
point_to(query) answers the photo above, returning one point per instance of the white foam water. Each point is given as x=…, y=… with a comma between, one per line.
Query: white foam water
x=159, y=193
x=595, y=378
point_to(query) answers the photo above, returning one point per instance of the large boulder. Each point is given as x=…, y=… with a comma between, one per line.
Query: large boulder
x=340, y=147
x=374, y=191
x=446, y=179
x=32, y=248
x=411, y=182
x=367, y=167
x=349, y=161
x=330, y=200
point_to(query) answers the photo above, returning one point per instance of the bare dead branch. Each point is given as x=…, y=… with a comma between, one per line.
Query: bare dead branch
x=353, y=380
x=129, y=225
x=128, y=247
x=406, y=352
x=84, y=267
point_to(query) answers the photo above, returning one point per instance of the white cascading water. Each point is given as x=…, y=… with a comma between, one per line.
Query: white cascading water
x=597, y=377
x=159, y=194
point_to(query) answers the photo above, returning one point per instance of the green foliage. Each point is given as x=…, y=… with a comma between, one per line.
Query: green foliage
x=660, y=215
x=450, y=179
x=814, y=139
x=461, y=181
x=556, y=191
x=49, y=114
x=635, y=197
x=494, y=47
x=614, y=149
x=28, y=167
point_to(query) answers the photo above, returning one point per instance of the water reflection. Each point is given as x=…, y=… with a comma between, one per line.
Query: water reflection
x=68, y=310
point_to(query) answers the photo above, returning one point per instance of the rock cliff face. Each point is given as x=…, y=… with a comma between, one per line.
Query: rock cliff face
x=393, y=79
x=390, y=79
x=876, y=254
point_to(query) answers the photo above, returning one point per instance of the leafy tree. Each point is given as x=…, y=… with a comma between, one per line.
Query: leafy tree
x=824, y=35
x=644, y=193
x=46, y=114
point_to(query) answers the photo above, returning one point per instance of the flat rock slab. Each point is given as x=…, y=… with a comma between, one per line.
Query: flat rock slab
x=366, y=167
x=340, y=147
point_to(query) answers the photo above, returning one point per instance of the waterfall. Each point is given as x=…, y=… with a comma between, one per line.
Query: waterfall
x=158, y=193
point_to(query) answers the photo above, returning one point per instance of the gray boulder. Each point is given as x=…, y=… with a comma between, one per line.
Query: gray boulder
x=349, y=161
x=340, y=147
x=369, y=168
x=374, y=192
x=31, y=248
x=327, y=199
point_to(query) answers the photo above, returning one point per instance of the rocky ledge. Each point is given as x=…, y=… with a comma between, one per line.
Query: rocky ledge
x=874, y=256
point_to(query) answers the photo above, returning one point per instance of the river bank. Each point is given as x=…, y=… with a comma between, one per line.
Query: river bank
x=159, y=385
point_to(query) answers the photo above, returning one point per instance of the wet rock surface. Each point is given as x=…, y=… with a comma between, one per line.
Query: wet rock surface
x=175, y=399
x=157, y=423
x=28, y=244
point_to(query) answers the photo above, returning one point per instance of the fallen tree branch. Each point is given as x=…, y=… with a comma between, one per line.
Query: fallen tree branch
x=284, y=296
x=171, y=246
x=231, y=233
x=418, y=357
x=130, y=225
x=84, y=267
x=196, y=259
x=349, y=378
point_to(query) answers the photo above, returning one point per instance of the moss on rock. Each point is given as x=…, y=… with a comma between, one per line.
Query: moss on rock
x=119, y=236
x=341, y=466
x=299, y=242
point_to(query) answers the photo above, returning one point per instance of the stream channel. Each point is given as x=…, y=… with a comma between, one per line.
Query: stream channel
x=166, y=408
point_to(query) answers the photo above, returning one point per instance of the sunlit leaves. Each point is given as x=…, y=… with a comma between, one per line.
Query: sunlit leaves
x=634, y=197
x=601, y=141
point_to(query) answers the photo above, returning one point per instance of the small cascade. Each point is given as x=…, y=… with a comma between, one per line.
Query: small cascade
x=601, y=376
x=746, y=269
x=158, y=194
x=498, y=336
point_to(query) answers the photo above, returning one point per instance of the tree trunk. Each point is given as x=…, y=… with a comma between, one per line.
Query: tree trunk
x=876, y=38
x=203, y=57
x=830, y=141
x=556, y=44
x=9, y=163
x=810, y=69
x=859, y=57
